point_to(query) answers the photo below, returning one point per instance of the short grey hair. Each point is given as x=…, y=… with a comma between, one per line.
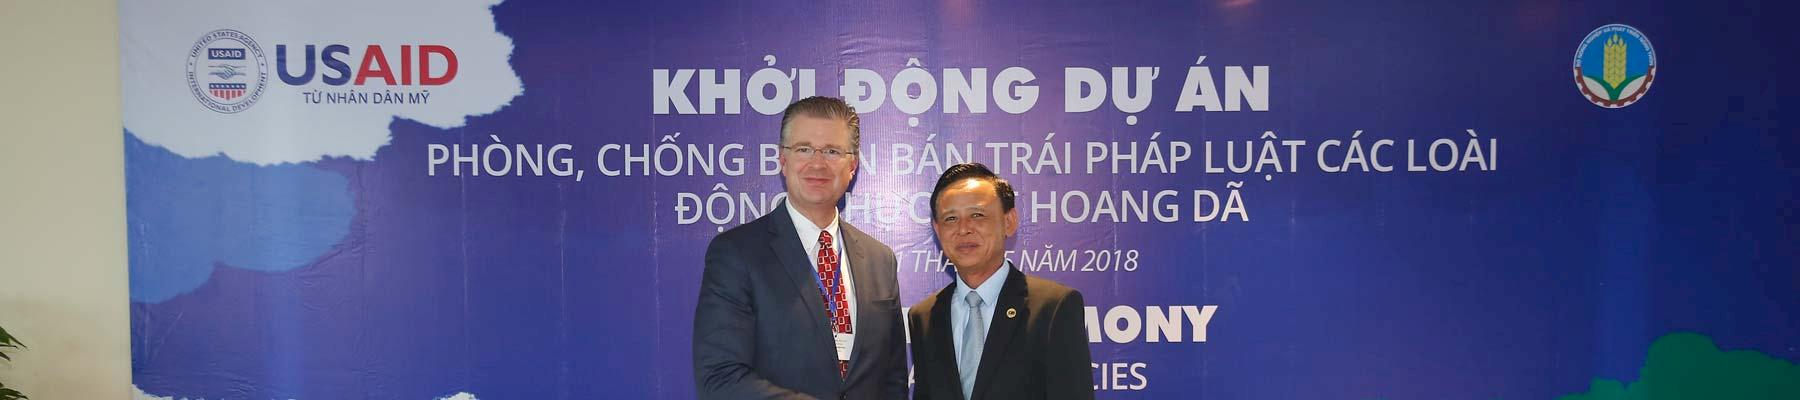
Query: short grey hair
x=824, y=107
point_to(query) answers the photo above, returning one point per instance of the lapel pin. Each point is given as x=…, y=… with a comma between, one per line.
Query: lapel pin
x=1011, y=312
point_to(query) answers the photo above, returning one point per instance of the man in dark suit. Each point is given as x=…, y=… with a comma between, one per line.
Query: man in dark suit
x=798, y=304
x=993, y=333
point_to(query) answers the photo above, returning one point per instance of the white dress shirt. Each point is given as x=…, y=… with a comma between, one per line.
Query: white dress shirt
x=809, y=239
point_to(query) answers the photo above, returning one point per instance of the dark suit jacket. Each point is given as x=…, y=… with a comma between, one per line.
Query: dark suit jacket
x=1039, y=353
x=760, y=328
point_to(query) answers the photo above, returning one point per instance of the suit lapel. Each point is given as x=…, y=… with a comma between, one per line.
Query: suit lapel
x=942, y=340
x=862, y=276
x=785, y=242
x=1001, y=333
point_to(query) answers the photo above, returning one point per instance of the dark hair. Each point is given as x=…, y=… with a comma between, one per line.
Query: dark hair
x=957, y=173
x=824, y=107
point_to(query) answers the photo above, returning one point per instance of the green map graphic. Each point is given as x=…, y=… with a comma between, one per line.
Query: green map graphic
x=1690, y=366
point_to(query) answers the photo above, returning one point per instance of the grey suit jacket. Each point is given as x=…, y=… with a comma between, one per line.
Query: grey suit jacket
x=760, y=328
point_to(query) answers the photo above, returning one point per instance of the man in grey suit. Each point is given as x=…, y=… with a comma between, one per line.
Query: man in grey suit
x=798, y=304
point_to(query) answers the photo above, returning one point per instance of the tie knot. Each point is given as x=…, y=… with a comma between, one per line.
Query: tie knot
x=825, y=238
x=973, y=298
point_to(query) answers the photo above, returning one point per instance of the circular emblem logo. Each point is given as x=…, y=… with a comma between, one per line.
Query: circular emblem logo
x=1614, y=66
x=226, y=71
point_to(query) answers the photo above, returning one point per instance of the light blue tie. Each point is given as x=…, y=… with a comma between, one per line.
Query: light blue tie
x=974, y=335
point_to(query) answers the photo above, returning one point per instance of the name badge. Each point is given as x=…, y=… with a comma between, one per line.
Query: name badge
x=842, y=341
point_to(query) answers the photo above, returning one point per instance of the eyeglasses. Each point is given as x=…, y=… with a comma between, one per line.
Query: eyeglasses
x=807, y=152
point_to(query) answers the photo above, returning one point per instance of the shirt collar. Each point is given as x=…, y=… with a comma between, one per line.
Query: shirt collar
x=809, y=233
x=989, y=289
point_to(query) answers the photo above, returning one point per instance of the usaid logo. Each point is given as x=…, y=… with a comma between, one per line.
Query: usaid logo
x=226, y=71
x=332, y=64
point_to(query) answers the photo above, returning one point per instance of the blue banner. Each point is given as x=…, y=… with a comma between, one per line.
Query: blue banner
x=1400, y=200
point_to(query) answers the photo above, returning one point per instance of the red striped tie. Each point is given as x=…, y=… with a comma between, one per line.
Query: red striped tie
x=837, y=310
